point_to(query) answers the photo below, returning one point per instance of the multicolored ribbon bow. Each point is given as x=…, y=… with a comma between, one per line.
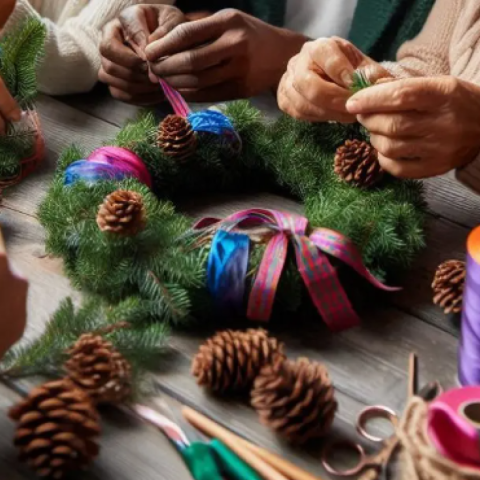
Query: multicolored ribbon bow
x=311, y=251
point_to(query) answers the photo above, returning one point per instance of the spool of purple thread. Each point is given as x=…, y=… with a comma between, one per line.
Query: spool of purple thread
x=469, y=351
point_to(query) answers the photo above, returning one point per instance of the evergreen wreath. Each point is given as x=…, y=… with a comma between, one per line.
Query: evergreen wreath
x=161, y=268
x=21, y=149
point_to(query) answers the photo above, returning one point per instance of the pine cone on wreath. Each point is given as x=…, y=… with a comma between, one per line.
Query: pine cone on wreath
x=99, y=369
x=123, y=213
x=356, y=162
x=230, y=360
x=295, y=399
x=57, y=427
x=448, y=285
x=176, y=137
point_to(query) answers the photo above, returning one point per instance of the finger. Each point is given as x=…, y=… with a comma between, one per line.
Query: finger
x=405, y=124
x=3, y=126
x=410, y=168
x=321, y=93
x=297, y=106
x=113, y=48
x=185, y=37
x=139, y=99
x=204, y=79
x=138, y=23
x=192, y=61
x=127, y=74
x=328, y=55
x=132, y=88
x=169, y=18
x=9, y=108
x=420, y=94
x=400, y=148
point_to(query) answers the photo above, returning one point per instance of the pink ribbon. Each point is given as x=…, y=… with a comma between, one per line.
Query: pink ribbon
x=319, y=276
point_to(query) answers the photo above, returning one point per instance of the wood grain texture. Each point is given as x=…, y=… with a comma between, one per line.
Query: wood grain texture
x=368, y=365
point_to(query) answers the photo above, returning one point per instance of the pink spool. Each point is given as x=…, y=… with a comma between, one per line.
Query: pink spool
x=454, y=425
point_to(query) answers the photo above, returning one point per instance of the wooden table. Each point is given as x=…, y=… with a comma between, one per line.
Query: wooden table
x=368, y=364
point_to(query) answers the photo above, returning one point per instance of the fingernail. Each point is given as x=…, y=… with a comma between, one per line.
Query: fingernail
x=353, y=106
x=346, y=77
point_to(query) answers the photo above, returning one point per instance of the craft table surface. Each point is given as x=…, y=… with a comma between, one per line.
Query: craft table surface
x=368, y=364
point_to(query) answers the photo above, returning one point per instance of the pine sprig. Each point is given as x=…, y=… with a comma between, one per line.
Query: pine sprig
x=360, y=81
x=141, y=344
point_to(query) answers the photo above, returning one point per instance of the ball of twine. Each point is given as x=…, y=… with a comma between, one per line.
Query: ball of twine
x=420, y=459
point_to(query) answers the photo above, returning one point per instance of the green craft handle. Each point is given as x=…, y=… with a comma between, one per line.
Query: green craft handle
x=232, y=465
x=201, y=462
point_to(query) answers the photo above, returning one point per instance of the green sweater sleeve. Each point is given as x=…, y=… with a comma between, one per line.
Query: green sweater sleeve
x=394, y=22
x=271, y=11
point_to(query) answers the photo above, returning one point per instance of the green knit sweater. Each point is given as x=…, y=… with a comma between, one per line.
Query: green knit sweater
x=379, y=26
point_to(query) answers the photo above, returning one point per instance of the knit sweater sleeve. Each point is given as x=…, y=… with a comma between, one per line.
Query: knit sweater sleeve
x=72, y=59
x=428, y=54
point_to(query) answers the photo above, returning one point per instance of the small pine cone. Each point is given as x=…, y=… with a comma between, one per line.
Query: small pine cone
x=230, y=360
x=57, y=427
x=448, y=285
x=122, y=213
x=99, y=369
x=296, y=399
x=356, y=162
x=176, y=137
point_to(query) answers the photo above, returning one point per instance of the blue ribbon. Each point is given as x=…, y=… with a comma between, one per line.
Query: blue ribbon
x=214, y=122
x=227, y=269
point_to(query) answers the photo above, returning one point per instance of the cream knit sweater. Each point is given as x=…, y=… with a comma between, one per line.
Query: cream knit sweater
x=72, y=60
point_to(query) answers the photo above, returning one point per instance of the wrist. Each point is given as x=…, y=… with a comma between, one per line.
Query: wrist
x=289, y=44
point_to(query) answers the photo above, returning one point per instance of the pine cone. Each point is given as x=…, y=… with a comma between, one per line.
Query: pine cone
x=356, y=162
x=230, y=360
x=99, y=369
x=57, y=429
x=123, y=213
x=176, y=137
x=448, y=285
x=296, y=399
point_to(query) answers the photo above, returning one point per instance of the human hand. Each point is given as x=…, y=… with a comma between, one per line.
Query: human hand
x=9, y=109
x=123, y=70
x=421, y=127
x=316, y=85
x=6, y=9
x=227, y=55
x=13, y=304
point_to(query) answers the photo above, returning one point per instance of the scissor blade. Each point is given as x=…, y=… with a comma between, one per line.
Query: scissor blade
x=169, y=428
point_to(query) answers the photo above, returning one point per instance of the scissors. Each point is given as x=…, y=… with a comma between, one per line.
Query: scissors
x=376, y=466
x=211, y=460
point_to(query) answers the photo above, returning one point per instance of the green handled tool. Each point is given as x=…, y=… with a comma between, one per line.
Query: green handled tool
x=205, y=460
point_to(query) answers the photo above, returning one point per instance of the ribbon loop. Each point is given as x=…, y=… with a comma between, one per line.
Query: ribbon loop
x=311, y=253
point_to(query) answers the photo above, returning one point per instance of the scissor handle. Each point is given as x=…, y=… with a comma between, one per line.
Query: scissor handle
x=373, y=413
x=361, y=465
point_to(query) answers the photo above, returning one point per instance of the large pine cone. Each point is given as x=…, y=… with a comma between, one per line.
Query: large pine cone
x=230, y=360
x=296, y=399
x=57, y=429
x=356, y=162
x=99, y=369
x=176, y=137
x=123, y=213
x=448, y=285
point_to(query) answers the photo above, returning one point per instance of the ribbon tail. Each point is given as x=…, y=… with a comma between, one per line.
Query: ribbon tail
x=179, y=105
x=324, y=287
x=338, y=246
x=262, y=295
